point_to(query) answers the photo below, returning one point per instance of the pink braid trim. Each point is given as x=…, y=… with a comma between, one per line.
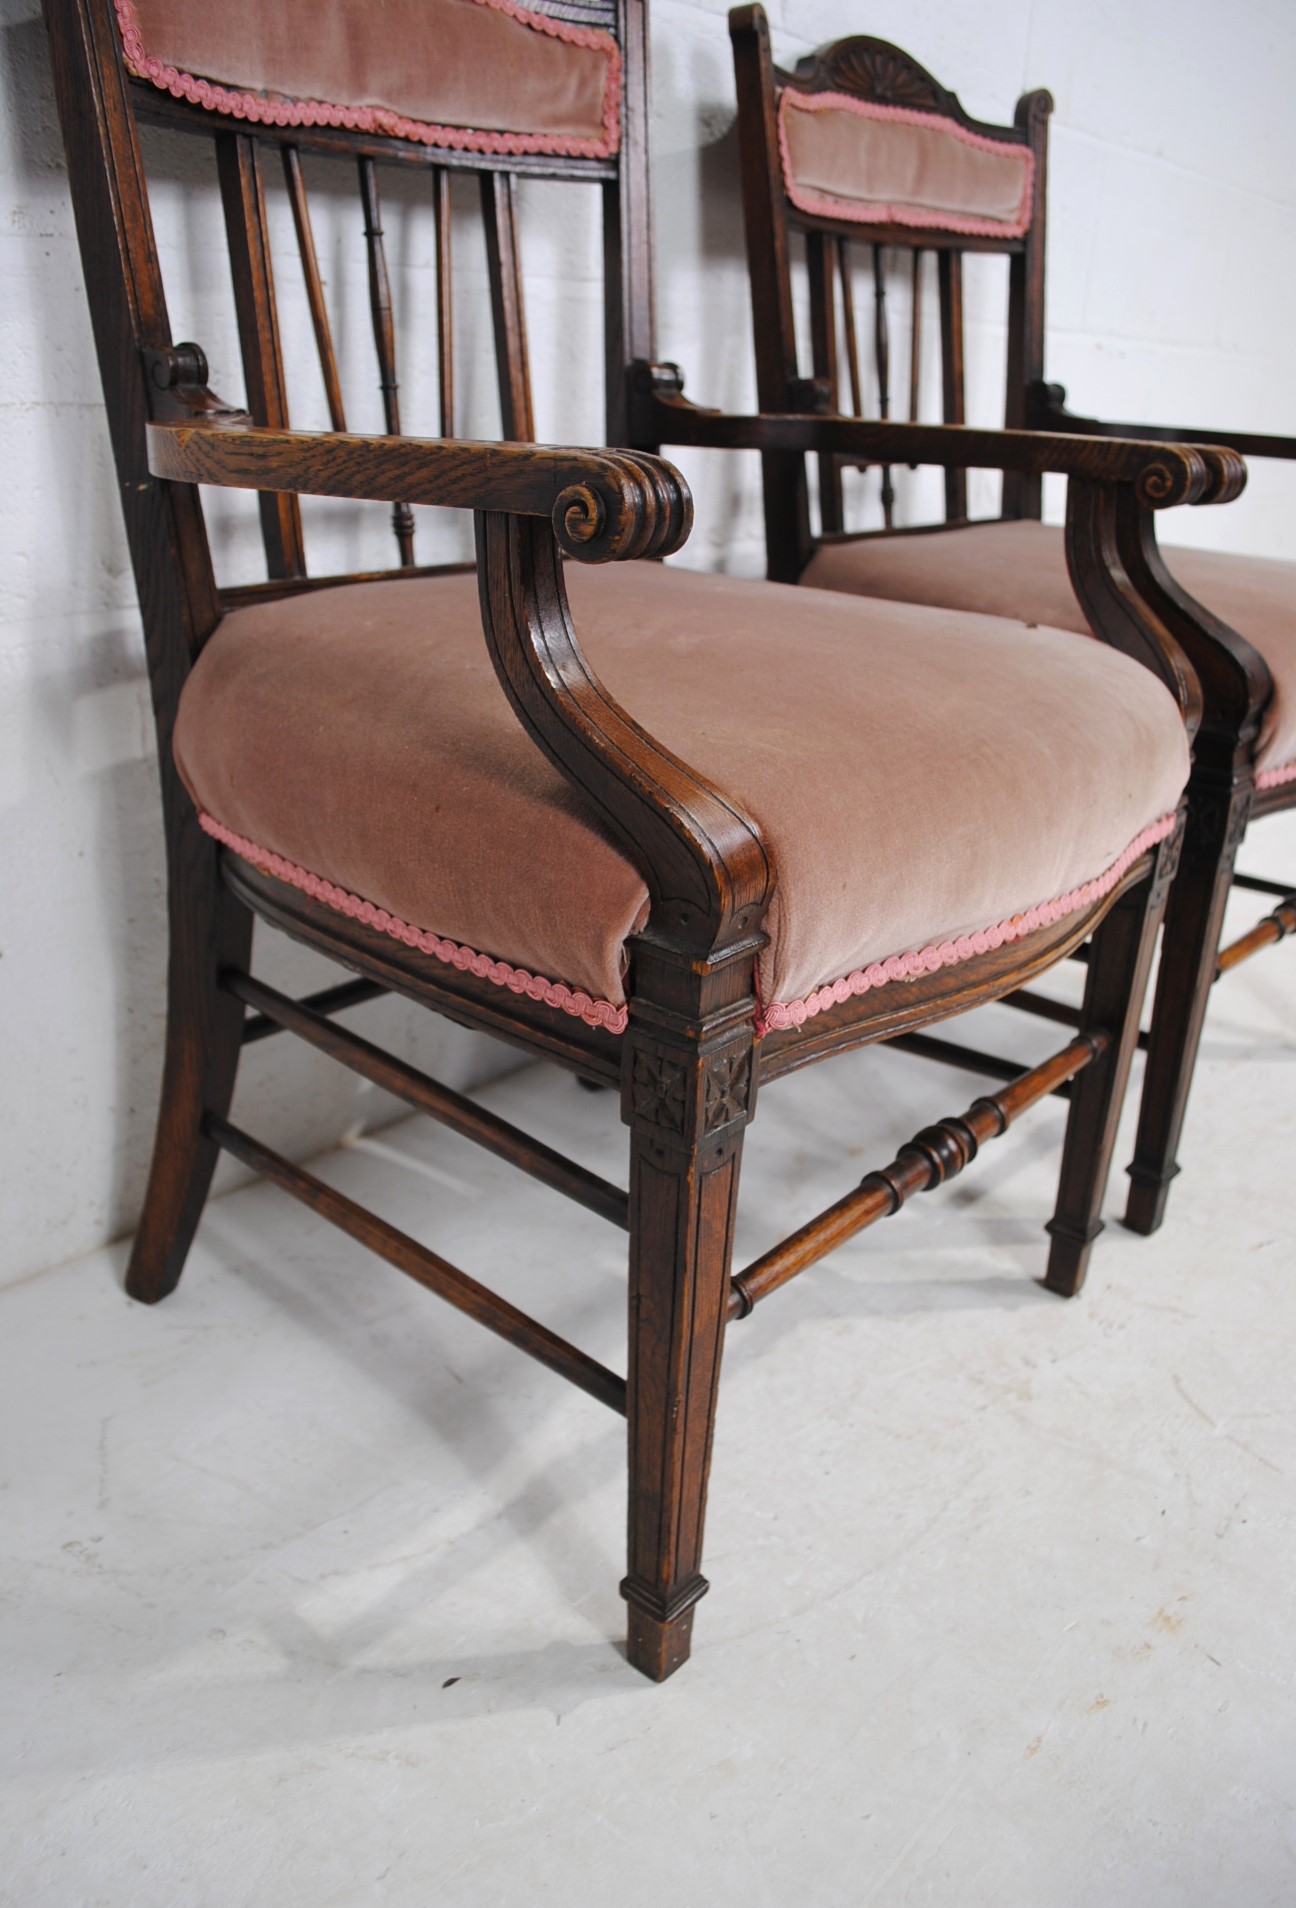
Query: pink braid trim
x=264, y=110
x=928, y=960
x=605, y=1013
x=828, y=206
x=1275, y=777
x=595, y=1013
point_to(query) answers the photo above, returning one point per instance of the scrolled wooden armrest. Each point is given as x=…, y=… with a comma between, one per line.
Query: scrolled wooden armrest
x=1048, y=410
x=1161, y=474
x=1163, y=470
x=604, y=505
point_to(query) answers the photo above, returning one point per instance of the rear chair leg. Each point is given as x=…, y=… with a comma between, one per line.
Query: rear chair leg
x=209, y=930
x=1189, y=952
x=687, y=1105
x=1119, y=964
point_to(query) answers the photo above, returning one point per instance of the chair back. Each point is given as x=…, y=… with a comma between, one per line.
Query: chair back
x=426, y=88
x=862, y=147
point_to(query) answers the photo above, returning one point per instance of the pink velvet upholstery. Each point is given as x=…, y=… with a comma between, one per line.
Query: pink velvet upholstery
x=918, y=776
x=1020, y=570
x=846, y=158
x=482, y=74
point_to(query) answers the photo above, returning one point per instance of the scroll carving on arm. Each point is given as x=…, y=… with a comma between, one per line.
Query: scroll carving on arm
x=1133, y=602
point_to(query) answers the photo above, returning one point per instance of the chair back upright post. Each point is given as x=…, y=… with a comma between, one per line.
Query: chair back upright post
x=868, y=72
x=779, y=385
x=1022, y=494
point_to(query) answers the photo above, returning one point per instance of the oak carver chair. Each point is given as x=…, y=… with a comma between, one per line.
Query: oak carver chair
x=862, y=146
x=422, y=776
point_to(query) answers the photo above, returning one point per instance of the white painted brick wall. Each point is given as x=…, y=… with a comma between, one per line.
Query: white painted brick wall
x=1172, y=280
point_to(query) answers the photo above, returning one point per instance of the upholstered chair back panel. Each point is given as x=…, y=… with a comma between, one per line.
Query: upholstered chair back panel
x=485, y=75
x=852, y=159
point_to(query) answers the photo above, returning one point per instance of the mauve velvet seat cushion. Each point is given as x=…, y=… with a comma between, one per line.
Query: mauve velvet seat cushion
x=918, y=775
x=1019, y=569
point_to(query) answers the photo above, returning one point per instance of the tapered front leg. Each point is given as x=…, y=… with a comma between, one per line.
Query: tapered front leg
x=687, y=1101
x=209, y=930
x=1120, y=962
x=1189, y=953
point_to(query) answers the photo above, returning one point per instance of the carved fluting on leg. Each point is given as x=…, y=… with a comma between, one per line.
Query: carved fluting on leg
x=687, y=1104
x=1217, y=819
x=1115, y=984
x=209, y=930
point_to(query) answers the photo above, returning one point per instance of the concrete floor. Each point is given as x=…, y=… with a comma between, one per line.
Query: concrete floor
x=309, y=1588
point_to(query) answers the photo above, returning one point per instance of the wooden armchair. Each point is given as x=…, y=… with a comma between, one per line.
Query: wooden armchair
x=832, y=150
x=558, y=802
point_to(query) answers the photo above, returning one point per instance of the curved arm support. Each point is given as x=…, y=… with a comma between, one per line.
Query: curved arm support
x=1222, y=684
x=703, y=859
x=1104, y=527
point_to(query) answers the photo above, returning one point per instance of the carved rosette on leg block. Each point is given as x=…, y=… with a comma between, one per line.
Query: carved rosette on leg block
x=688, y=1088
